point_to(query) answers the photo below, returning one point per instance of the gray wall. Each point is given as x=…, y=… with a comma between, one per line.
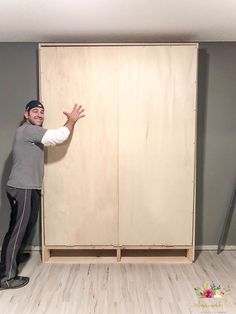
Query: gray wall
x=216, y=163
x=216, y=140
x=18, y=85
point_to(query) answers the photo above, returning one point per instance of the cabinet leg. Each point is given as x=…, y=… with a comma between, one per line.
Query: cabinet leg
x=45, y=254
x=190, y=255
x=118, y=252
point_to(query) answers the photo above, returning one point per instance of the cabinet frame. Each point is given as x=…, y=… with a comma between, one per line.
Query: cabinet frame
x=127, y=253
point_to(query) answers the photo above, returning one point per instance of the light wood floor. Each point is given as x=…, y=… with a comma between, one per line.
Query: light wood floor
x=122, y=289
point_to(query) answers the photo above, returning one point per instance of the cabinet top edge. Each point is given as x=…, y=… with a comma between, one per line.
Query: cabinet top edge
x=40, y=45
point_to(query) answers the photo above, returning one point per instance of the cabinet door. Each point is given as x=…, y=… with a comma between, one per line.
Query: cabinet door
x=157, y=103
x=81, y=182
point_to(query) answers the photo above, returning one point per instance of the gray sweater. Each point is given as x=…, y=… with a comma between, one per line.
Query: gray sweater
x=28, y=158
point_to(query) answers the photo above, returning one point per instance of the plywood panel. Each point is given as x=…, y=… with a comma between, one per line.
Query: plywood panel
x=139, y=131
x=157, y=102
x=81, y=176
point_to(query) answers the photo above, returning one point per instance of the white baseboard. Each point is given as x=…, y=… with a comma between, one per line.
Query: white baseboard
x=215, y=247
x=33, y=248
x=29, y=248
x=197, y=247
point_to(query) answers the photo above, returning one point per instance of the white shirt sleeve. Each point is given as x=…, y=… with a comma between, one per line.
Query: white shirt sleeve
x=53, y=137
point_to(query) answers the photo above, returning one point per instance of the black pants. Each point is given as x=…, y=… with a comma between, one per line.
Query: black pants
x=25, y=205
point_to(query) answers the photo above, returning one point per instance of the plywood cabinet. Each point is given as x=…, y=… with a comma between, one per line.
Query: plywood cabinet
x=126, y=177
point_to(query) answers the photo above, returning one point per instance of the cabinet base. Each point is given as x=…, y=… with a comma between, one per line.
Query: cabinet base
x=117, y=254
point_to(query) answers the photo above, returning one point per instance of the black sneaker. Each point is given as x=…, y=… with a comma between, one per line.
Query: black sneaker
x=15, y=283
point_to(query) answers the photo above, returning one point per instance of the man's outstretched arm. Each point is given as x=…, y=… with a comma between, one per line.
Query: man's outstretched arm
x=57, y=136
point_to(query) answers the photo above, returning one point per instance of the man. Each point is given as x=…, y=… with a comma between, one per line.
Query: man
x=25, y=183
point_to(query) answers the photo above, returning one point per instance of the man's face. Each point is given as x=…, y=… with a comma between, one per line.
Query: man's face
x=35, y=116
